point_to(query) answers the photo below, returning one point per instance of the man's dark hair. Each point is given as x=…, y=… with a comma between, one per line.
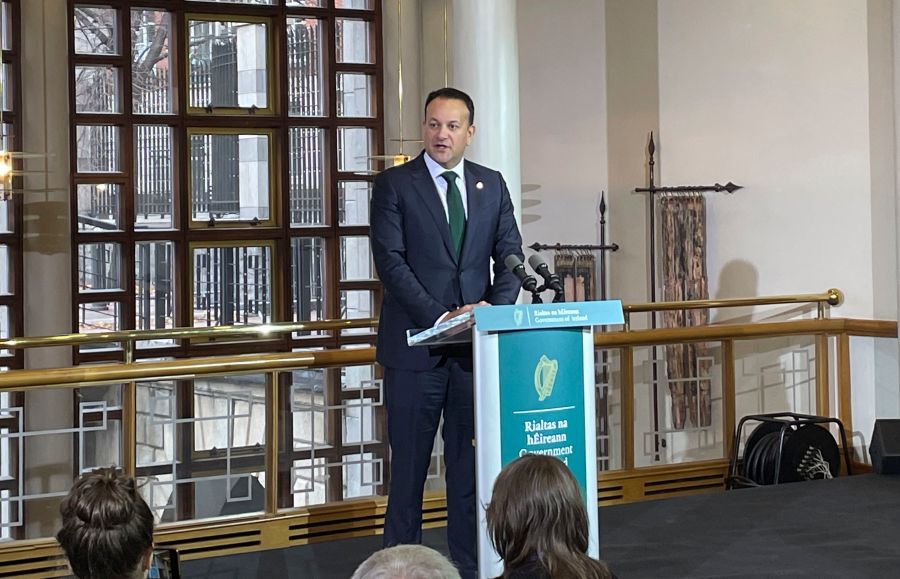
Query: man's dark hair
x=107, y=526
x=452, y=93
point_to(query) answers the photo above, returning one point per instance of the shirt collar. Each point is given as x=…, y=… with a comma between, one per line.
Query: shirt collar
x=436, y=170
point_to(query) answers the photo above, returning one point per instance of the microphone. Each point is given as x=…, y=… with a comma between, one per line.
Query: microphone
x=515, y=265
x=551, y=280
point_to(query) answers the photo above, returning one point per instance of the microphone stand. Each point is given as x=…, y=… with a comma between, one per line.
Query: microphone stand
x=559, y=296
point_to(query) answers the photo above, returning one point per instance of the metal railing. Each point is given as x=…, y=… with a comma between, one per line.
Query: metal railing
x=277, y=526
x=831, y=297
x=130, y=337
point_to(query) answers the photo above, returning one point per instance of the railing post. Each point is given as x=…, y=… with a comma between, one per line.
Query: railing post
x=627, y=408
x=845, y=408
x=728, y=396
x=129, y=428
x=823, y=393
x=272, y=428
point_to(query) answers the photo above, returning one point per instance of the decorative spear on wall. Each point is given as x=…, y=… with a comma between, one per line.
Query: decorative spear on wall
x=683, y=210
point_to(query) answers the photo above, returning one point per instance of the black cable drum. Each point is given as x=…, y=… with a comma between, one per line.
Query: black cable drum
x=809, y=452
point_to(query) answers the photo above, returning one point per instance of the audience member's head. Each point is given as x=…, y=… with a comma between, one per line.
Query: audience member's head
x=537, y=518
x=107, y=528
x=406, y=562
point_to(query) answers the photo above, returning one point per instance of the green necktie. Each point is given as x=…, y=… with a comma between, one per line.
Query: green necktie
x=456, y=213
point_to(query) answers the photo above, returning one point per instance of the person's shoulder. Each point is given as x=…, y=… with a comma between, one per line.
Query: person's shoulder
x=480, y=170
x=403, y=171
x=529, y=570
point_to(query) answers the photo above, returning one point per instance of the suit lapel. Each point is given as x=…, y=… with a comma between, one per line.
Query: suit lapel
x=425, y=187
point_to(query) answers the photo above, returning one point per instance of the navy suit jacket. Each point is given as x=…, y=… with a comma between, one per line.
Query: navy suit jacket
x=416, y=262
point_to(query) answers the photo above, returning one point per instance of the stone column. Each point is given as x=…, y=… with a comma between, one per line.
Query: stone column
x=485, y=64
x=47, y=462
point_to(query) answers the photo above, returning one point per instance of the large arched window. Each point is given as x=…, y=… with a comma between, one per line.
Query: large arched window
x=220, y=154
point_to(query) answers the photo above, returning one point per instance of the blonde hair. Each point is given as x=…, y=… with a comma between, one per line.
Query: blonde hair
x=537, y=513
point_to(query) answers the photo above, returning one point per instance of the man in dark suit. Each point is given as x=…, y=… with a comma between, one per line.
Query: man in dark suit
x=437, y=221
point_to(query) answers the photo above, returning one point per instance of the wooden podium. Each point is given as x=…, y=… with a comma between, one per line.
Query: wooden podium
x=534, y=393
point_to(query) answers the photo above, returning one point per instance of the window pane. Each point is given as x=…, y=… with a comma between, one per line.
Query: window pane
x=230, y=412
x=308, y=278
x=355, y=95
x=154, y=281
x=355, y=4
x=8, y=87
x=156, y=415
x=354, y=148
x=153, y=182
x=98, y=206
x=358, y=377
x=99, y=266
x=6, y=135
x=267, y=2
x=355, y=41
x=356, y=259
x=6, y=270
x=5, y=221
x=151, y=75
x=100, y=438
x=232, y=285
x=230, y=177
x=308, y=477
x=353, y=202
x=308, y=3
x=95, y=30
x=356, y=304
x=96, y=89
x=363, y=474
x=306, y=83
x=228, y=64
x=308, y=409
x=98, y=148
x=5, y=328
x=6, y=24
x=99, y=317
x=307, y=176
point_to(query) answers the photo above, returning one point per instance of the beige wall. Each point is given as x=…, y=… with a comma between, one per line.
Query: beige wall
x=775, y=96
x=633, y=96
x=563, y=109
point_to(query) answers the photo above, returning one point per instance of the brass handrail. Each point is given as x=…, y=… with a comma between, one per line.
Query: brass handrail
x=832, y=297
x=714, y=333
x=186, y=368
x=274, y=328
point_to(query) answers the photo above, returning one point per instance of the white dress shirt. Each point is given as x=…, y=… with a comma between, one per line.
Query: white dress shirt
x=436, y=171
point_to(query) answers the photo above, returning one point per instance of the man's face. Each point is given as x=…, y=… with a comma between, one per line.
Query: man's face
x=446, y=131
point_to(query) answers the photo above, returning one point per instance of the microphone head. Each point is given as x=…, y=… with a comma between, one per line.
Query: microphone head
x=536, y=261
x=512, y=261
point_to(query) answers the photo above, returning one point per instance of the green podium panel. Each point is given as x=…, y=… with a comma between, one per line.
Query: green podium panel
x=534, y=393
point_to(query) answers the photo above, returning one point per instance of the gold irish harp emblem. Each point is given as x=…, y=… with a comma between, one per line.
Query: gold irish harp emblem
x=545, y=376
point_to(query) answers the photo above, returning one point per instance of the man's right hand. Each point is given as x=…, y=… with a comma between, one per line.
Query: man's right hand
x=464, y=309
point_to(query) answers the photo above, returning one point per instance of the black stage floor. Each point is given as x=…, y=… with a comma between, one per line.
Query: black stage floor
x=846, y=527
